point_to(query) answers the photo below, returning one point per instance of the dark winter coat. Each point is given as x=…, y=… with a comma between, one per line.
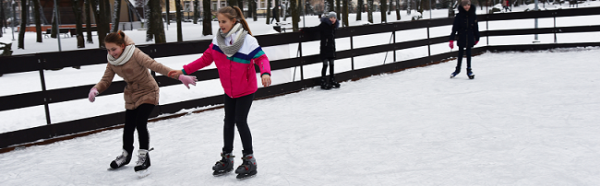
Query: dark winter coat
x=465, y=23
x=327, y=32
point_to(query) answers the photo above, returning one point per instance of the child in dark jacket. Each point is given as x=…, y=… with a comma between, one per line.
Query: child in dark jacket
x=465, y=24
x=327, y=30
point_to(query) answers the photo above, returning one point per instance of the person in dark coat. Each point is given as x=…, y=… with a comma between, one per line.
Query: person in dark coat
x=275, y=14
x=327, y=30
x=465, y=24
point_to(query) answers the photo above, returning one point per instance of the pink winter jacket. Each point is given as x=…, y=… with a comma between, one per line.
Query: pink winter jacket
x=237, y=73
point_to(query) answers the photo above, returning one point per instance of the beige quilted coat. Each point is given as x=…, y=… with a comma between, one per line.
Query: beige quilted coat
x=141, y=87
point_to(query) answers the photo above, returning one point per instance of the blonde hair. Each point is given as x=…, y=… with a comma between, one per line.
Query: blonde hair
x=232, y=12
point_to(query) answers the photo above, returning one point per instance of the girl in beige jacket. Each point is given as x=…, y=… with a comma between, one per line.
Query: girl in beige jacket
x=141, y=93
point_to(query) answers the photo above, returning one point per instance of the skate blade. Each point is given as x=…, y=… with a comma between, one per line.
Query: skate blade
x=246, y=176
x=143, y=173
x=219, y=174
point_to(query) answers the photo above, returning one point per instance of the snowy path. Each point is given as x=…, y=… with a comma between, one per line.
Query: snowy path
x=527, y=119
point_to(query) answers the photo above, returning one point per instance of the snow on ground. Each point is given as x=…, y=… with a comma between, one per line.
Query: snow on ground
x=520, y=122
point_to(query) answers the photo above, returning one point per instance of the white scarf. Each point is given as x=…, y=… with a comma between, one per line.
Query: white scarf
x=230, y=50
x=125, y=56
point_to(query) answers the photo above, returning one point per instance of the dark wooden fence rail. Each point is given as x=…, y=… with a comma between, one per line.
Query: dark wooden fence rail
x=52, y=60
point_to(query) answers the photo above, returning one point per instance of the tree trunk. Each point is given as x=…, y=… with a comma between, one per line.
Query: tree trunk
x=206, y=21
x=389, y=7
x=329, y=6
x=370, y=11
x=168, y=11
x=157, y=23
x=179, y=15
x=2, y=18
x=383, y=7
x=88, y=21
x=408, y=7
x=360, y=9
x=196, y=11
x=101, y=23
x=345, y=13
x=295, y=15
x=77, y=10
x=249, y=9
x=116, y=15
x=231, y=2
x=147, y=21
x=269, y=11
x=277, y=3
x=23, y=24
x=398, y=10
x=38, y=21
x=254, y=7
x=338, y=9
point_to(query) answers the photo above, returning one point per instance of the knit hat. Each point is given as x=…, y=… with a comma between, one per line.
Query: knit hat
x=331, y=14
x=465, y=2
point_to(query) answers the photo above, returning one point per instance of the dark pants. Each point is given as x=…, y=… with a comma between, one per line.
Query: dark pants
x=272, y=20
x=324, y=70
x=461, y=52
x=137, y=119
x=236, y=114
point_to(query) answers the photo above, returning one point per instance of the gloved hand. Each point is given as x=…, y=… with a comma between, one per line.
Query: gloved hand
x=92, y=95
x=476, y=42
x=186, y=80
x=451, y=44
x=174, y=73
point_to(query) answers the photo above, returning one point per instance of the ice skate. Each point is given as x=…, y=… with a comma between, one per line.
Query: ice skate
x=143, y=164
x=224, y=165
x=248, y=167
x=121, y=160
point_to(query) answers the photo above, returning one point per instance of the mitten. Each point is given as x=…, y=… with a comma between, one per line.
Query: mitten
x=451, y=44
x=92, y=95
x=186, y=80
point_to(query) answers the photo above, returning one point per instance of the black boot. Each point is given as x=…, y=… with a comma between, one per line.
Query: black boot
x=470, y=73
x=324, y=84
x=224, y=165
x=334, y=83
x=456, y=72
x=247, y=168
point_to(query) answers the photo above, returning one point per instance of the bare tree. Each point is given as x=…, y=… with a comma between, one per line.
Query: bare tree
x=383, y=8
x=398, y=10
x=23, y=24
x=268, y=11
x=360, y=9
x=370, y=11
x=88, y=21
x=157, y=24
x=338, y=8
x=38, y=21
x=329, y=6
x=240, y=4
x=116, y=15
x=2, y=18
x=179, y=15
x=345, y=13
x=277, y=3
x=168, y=10
x=196, y=11
x=295, y=15
x=147, y=22
x=254, y=7
x=78, y=28
x=206, y=25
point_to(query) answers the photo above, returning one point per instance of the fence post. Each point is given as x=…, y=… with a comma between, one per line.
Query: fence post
x=352, y=48
x=487, y=30
x=46, y=98
x=554, y=13
x=428, y=40
x=394, y=34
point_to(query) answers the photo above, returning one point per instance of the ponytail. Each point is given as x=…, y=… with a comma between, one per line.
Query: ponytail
x=116, y=38
x=232, y=12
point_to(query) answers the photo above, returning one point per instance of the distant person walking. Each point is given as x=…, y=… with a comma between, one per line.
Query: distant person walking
x=275, y=14
x=465, y=24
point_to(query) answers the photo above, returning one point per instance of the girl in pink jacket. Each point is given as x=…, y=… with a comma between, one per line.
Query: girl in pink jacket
x=235, y=52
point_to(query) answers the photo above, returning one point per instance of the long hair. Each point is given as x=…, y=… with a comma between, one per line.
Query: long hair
x=115, y=37
x=232, y=12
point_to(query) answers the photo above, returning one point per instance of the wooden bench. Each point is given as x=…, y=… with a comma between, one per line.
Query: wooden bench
x=67, y=32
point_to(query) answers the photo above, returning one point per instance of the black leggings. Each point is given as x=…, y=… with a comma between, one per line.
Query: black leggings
x=324, y=70
x=461, y=52
x=236, y=114
x=137, y=118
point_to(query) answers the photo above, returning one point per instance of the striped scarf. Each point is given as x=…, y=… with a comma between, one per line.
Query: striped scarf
x=237, y=44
